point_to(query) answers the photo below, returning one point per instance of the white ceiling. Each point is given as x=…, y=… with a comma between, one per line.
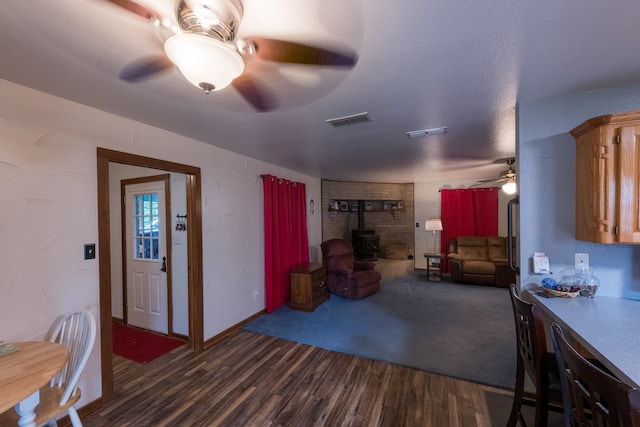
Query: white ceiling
x=464, y=64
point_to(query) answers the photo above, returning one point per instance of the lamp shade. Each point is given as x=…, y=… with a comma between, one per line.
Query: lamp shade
x=433, y=225
x=205, y=62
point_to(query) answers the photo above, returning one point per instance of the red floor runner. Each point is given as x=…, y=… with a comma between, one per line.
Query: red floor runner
x=139, y=345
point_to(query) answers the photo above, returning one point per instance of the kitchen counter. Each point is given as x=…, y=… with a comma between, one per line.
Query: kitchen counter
x=608, y=327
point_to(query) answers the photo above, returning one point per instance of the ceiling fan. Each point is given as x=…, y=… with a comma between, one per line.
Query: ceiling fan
x=201, y=42
x=507, y=176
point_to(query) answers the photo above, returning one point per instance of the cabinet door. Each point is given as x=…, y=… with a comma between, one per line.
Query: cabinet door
x=608, y=178
x=596, y=186
x=628, y=189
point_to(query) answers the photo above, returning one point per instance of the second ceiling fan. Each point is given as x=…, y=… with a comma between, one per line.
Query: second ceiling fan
x=202, y=44
x=508, y=177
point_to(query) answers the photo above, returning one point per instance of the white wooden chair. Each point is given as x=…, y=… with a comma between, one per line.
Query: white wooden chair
x=77, y=332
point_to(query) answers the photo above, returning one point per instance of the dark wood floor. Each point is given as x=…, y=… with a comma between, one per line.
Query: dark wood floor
x=249, y=379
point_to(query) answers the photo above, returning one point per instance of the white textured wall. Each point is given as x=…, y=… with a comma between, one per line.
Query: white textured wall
x=179, y=255
x=546, y=170
x=48, y=205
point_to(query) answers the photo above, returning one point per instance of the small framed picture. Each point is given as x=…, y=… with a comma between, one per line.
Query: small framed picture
x=344, y=205
x=401, y=205
x=368, y=206
x=335, y=205
x=386, y=206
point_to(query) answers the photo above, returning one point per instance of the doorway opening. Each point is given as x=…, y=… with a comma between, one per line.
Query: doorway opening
x=194, y=252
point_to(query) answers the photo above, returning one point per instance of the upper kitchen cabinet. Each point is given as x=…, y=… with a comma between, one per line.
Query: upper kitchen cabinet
x=607, y=178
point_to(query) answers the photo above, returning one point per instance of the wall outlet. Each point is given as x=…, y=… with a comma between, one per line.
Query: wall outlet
x=540, y=263
x=582, y=261
x=256, y=294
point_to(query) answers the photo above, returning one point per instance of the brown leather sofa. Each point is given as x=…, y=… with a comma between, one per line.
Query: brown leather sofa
x=346, y=276
x=480, y=260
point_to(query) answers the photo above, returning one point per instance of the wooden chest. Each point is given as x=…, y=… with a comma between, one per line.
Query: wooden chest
x=308, y=287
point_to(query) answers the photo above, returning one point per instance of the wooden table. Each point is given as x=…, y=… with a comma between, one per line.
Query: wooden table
x=24, y=372
x=434, y=272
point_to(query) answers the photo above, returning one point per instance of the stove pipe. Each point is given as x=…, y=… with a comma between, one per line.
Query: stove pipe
x=360, y=214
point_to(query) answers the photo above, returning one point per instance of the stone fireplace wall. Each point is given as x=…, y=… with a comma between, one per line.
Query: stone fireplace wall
x=393, y=225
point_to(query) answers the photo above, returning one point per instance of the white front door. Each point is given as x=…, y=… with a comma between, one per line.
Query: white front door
x=145, y=250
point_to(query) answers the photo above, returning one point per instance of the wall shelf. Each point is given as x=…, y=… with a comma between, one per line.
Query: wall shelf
x=369, y=206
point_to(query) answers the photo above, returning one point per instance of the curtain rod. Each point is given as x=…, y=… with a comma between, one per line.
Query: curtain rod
x=280, y=180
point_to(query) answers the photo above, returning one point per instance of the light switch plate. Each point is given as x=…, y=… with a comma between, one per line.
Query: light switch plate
x=90, y=251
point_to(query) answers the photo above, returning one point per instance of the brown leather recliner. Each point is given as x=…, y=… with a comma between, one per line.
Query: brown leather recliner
x=346, y=276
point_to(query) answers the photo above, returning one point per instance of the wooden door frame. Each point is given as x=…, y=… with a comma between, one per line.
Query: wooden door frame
x=165, y=178
x=194, y=252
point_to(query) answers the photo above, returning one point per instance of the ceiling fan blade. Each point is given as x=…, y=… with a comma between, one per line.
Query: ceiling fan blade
x=134, y=7
x=145, y=68
x=296, y=53
x=260, y=98
x=507, y=160
x=485, y=181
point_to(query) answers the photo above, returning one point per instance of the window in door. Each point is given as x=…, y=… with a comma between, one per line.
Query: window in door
x=146, y=226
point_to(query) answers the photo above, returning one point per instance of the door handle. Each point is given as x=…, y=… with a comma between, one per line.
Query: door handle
x=164, y=264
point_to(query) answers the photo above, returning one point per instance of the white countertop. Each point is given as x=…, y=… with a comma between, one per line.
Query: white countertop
x=608, y=327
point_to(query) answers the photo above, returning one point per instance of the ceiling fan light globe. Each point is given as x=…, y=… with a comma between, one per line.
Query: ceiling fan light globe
x=509, y=187
x=203, y=61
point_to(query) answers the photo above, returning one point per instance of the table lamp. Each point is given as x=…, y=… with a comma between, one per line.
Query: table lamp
x=433, y=225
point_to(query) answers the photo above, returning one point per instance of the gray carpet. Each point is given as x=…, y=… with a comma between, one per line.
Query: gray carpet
x=462, y=331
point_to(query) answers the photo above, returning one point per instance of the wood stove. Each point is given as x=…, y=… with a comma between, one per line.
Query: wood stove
x=365, y=242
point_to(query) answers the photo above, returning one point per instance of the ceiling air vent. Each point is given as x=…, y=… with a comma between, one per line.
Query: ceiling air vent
x=349, y=120
x=427, y=132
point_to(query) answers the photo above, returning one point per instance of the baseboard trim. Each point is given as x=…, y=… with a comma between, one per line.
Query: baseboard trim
x=216, y=338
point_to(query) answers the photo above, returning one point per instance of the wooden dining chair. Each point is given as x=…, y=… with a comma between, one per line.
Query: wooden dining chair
x=76, y=332
x=534, y=360
x=592, y=396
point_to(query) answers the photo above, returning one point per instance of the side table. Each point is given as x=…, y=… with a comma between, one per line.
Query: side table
x=308, y=287
x=434, y=273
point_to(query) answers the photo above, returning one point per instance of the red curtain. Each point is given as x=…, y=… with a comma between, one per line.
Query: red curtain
x=467, y=212
x=285, y=236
